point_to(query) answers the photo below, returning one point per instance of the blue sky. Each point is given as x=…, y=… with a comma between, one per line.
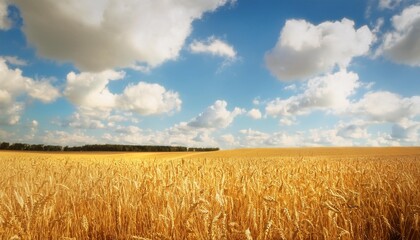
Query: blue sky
x=219, y=73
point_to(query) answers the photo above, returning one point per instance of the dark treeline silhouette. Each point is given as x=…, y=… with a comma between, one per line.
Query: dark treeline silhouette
x=100, y=148
x=126, y=148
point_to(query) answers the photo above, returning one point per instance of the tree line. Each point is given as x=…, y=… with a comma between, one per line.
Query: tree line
x=101, y=148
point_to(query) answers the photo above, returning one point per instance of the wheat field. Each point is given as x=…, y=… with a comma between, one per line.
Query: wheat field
x=313, y=193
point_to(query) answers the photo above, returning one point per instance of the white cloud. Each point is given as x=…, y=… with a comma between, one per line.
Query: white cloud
x=291, y=87
x=5, y=23
x=281, y=139
x=10, y=112
x=134, y=135
x=98, y=107
x=326, y=137
x=34, y=124
x=213, y=46
x=377, y=28
x=104, y=34
x=256, y=101
x=129, y=130
x=312, y=137
x=304, y=50
x=389, y=4
x=385, y=106
x=42, y=90
x=215, y=116
x=149, y=99
x=353, y=130
x=253, y=138
x=84, y=121
x=196, y=133
x=119, y=117
x=13, y=85
x=254, y=113
x=179, y=135
x=90, y=92
x=382, y=139
x=228, y=140
x=328, y=93
x=90, y=89
x=406, y=131
x=288, y=121
x=402, y=45
x=33, y=128
x=63, y=138
x=182, y=134
x=204, y=139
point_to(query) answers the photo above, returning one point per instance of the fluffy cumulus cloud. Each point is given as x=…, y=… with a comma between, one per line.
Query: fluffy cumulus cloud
x=254, y=113
x=149, y=99
x=98, y=107
x=402, y=45
x=14, y=85
x=335, y=94
x=197, y=132
x=328, y=93
x=385, y=106
x=213, y=46
x=184, y=133
x=304, y=50
x=10, y=113
x=90, y=92
x=103, y=34
x=215, y=116
x=4, y=20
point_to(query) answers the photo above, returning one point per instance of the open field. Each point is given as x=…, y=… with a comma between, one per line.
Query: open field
x=310, y=193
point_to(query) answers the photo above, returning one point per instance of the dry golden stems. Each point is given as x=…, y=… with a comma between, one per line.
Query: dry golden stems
x=135, y=196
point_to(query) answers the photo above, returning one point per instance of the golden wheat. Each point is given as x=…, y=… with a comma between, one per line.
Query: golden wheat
x=315, y=193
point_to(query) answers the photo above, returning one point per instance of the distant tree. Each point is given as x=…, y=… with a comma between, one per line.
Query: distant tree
x=53, y=148
x=4, y=145
x=36, y=147
x=103, y=147
x=19, y=146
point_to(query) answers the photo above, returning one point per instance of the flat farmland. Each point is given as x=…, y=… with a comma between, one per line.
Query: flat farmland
x=301, y=193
